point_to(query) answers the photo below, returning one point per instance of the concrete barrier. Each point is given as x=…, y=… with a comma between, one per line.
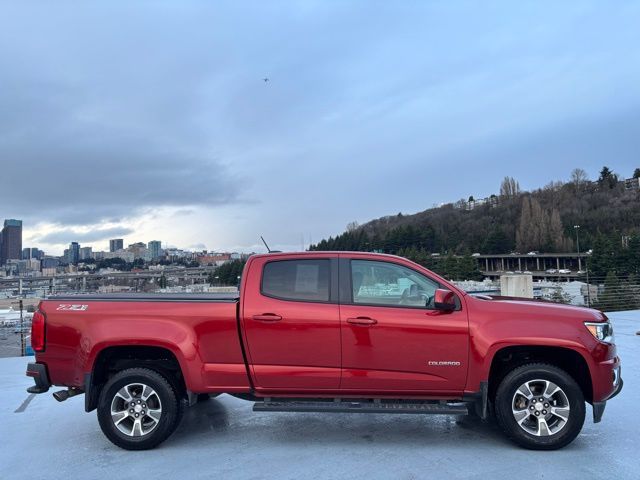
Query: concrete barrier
x=516, y=286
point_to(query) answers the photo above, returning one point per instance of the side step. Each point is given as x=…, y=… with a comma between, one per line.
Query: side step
x=360, y=406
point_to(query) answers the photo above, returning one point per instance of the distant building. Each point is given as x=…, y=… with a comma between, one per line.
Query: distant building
x=216, y=259
x=632, y=184
x=123, y=254
x=139, y=250
x=155, y=249
x=492, y=201
x=72, y=254
x=116, y=244
x=11, y=241
x=86, y=253
x=32, y=253
x=49, y=271
x=49, y=262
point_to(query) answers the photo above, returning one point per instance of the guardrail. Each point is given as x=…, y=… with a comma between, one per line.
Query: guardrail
x=611, y=293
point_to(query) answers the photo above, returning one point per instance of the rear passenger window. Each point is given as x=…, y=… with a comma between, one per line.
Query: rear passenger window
x=302, y=280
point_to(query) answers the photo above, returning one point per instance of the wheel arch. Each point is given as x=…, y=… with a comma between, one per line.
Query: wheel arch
x=510, y=357
x=112, y=359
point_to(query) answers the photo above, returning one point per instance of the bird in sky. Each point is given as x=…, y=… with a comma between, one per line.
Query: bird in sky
x=266, y=79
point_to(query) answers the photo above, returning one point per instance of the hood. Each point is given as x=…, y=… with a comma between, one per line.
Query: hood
x=540, y=307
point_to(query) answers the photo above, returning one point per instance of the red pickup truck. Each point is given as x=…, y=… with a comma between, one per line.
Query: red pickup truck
x=329, y=332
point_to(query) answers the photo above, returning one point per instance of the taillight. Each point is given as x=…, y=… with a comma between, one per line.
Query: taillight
x=37, y=331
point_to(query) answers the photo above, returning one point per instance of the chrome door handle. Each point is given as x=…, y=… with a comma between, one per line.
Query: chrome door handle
x=267, y=317
x=363, y=321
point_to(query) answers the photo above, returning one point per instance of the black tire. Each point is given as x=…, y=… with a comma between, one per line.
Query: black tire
x=567, y=430
x=171, y=409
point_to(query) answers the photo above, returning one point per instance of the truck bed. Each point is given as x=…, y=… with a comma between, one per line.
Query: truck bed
x=150, y=297
x=200, y=330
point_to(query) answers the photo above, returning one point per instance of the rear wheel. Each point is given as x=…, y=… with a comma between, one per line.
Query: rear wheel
x=540, y=407
x=138, y=409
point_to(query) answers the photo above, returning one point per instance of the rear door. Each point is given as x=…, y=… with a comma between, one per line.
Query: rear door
x=291, y=322
x=393, y=340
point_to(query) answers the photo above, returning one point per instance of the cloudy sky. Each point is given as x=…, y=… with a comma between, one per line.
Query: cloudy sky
x=153, y=121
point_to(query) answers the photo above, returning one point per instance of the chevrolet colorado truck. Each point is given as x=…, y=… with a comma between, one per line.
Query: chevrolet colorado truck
x=329, y=332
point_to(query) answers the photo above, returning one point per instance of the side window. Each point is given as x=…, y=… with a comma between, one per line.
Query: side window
x=301, y=280
x=383, y=283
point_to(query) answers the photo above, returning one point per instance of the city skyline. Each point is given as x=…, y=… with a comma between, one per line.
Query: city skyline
x=169, y=131
x=117, y=244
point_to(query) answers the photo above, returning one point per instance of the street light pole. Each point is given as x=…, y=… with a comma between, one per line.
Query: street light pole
x=577, y=229
x=21, y=329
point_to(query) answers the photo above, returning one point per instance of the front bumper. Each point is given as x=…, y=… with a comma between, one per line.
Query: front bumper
x=38, y=372
x=598, y=407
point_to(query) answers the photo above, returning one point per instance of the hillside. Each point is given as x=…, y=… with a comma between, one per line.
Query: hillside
x=540, y=220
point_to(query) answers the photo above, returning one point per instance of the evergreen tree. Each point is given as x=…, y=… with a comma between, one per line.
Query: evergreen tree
x=468, y=268
x=610, y=299
x=450, y=267
x=602, y=260
x=607, y=179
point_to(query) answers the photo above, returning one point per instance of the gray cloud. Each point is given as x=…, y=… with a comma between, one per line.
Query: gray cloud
x=65, y=236
x=111, y=112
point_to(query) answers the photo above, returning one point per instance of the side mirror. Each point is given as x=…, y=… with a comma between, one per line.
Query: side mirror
x=444, y=300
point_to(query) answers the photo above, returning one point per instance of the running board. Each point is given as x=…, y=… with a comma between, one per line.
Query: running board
x=360, y=406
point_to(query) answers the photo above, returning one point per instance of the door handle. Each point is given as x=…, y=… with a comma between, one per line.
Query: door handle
x=364, y=321
x=267, y=317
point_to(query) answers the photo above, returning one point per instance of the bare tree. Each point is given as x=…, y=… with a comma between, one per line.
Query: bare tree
x=579, y=176
x=352, y=226
x=509, y=187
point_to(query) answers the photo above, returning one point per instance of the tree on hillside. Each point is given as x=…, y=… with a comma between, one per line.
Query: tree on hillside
x=579, y=176
x=351, y=226
x=607, y=179
x=611, y=299
x=450, y=267
x=602, y=260
x=497, y=242
x=557, y=240
x=532, y=232
x=509, y=187
x=227, y=273
x=636, y=173
x=468, y=268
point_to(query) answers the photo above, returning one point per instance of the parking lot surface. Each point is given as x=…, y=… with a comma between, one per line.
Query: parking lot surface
x=223, y=438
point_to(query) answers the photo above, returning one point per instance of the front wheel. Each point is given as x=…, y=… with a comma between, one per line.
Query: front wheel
x=138, y=409
x=540, y=407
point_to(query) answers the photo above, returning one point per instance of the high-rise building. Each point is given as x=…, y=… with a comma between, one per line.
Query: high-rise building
x=116, y=244
x=32, y=253
x=11, y=241
x=85, y=253
x=155, y=249
x=73, y=253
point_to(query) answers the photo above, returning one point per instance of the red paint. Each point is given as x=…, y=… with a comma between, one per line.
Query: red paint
x=322, y=349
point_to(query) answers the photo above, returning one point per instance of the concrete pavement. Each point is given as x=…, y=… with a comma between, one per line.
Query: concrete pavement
x=223, y=438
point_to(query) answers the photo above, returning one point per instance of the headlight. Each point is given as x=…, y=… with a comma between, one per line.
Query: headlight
x=601, y=331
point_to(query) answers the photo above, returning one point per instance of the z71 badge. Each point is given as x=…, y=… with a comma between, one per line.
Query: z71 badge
x=72, y=307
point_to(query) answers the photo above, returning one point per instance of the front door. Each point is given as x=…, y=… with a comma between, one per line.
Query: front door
x=393, y=340
x=291, y=323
